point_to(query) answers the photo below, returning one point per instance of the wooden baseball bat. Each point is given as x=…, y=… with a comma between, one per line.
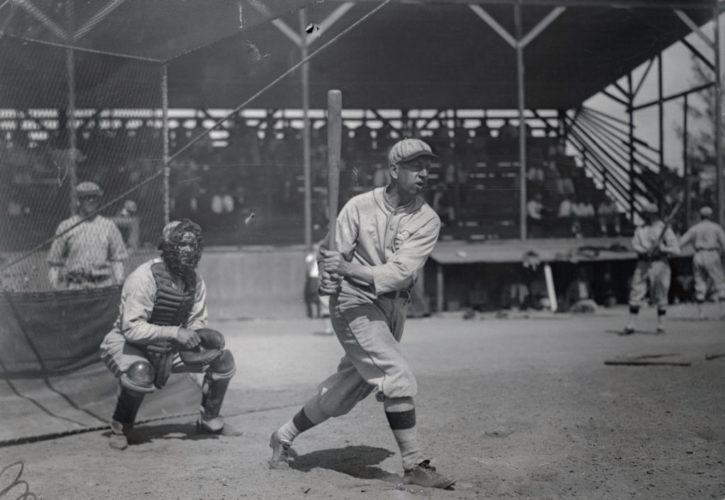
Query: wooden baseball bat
x=334, y=147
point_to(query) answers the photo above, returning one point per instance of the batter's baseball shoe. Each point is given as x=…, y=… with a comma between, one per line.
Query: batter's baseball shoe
x=282, y=452
x=424, y=474
x=660, y=330
x=213, y=426
x=628, y=330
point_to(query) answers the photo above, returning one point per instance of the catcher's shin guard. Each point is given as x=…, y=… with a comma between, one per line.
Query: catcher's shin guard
x=127, y=406
x=216, y=382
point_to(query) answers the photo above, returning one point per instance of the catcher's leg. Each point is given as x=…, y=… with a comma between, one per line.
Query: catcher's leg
x=214, y=388
x=136, y=381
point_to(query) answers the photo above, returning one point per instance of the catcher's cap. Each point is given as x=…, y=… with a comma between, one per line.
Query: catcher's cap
x=171, y=226
x=706, y=211
x=168, y=229
x=650, y=208
x=408, y=150
x=85, y=189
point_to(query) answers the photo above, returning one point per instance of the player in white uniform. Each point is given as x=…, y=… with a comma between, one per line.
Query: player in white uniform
x=383, y=237
x=654, y=242
x=708, y=238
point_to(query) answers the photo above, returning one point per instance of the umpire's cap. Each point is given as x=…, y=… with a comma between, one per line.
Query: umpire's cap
x=408, y=150
x=86, y=189
x=706, y=212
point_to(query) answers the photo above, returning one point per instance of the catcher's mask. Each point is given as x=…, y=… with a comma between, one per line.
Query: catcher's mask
x=181, y=246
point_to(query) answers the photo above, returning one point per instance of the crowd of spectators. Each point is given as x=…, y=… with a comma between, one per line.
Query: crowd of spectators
x=474, y=186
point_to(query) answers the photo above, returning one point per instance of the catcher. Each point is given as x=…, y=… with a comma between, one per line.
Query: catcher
x=161, y=328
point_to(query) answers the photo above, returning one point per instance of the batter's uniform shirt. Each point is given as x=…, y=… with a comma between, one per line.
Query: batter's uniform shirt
x=708, y=238
x=87, y=251
x=652, y=274
x=369, y=319
x=123, y=345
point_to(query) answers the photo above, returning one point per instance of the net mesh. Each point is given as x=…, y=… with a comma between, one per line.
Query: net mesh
x=47, y=151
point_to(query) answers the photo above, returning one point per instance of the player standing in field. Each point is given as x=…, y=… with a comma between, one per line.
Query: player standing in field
x=708, y=238
x=383, y=237
x=654, y=242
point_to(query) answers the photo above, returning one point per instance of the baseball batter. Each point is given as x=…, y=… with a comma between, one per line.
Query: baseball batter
x=708, y=238
x=161, y=328
x=654, y=242
x=91, y=254
x=383, y=237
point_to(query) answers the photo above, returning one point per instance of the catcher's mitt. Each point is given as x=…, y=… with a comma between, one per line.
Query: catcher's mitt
x=210, y=348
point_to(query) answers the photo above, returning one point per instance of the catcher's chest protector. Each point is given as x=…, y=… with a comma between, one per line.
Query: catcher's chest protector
x=172, y=305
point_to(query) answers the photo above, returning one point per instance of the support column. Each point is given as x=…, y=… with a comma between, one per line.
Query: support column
x=720, y=195
x=661, y=131
x=686, y=161
x=305, y=74
x=630, y=134
x=440, y=303
x=71, y=111
x=166, y=192
x=522, y=125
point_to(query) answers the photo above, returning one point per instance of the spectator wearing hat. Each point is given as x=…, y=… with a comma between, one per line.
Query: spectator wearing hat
x=88, y=249
x=708, y=238
x=654, y=242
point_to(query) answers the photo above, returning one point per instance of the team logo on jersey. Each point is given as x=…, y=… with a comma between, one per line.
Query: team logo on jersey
x=400, y=239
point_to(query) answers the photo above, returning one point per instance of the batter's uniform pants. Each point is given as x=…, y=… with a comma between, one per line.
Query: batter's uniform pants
x=119, y=355
x=653, y=276
x=707, y=267
x=370, y=335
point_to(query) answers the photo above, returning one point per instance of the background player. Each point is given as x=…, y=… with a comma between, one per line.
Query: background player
x=383, y=238
x=91, y=254
x=654, y=242
x=708, y=238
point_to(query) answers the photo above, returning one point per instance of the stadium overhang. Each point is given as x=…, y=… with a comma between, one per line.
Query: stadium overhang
x=423, y=54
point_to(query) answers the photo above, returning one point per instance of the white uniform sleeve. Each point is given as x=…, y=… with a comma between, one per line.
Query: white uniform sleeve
x=638, y=244
x=399, y=273
x=346, y=231
x=669, y=242
x=687, y=237
x=137, y=303
x=198, y=316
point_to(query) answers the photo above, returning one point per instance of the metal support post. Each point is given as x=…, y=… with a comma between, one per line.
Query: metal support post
x=305, y=73
x=685, y=161
x=630, y=133
x=71, y=111
x=522, y=125
x=165, y=137
x=720, y=195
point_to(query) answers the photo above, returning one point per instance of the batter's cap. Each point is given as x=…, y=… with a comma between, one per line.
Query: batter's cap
x=408, y=150
x=706, y=211
x=650, y=208
x=88, y=189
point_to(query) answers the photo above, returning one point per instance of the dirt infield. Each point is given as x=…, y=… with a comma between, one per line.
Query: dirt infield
x=514, y=408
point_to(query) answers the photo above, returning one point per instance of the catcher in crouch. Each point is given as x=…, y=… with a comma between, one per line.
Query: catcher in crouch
x=161, y=328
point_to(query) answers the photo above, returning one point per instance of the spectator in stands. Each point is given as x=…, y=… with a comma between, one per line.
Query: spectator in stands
x=508, y=130
x=535, y=215
x=130, y=209
x=608, y=217
x=88, y=250
x=584, y=215
x=579, y=297
x=535, y=175
x=565, y=217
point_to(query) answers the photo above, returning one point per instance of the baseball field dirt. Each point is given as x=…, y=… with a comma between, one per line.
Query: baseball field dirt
x=517, y=407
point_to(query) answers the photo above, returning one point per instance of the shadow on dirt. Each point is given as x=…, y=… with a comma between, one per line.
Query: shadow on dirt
x=355, y=461
x=186, y=431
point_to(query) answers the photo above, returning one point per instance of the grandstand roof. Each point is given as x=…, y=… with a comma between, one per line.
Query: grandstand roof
x=424, y=54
